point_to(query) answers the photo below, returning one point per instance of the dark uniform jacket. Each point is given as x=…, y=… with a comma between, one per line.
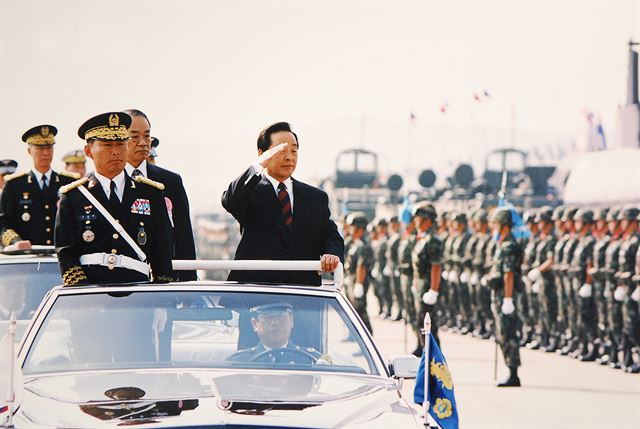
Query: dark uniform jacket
x=184, y=246
x=81, y=229
x=252, y=200
x=26, y=211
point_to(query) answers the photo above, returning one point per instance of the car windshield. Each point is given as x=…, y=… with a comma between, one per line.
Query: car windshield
x=22, y=287
x=197, y=329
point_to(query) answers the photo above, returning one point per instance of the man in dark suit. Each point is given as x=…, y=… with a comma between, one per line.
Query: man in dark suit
x=29, y=199
x=138, y=149
x=280, y=217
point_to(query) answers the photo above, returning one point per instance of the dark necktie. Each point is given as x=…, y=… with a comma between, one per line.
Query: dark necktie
x=135, y=173
x=113, y=197
x=45, y=187
x=285, y=203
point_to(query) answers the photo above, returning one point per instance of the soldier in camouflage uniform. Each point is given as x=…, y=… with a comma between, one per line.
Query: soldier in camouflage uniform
x=426, y=258
x=456, y=268
x=569, y=303
x=359, y=262
x=542, y=281
x=528, y=300
x=450, y=303
x=376, y=275
x=380, y=267
x=582, y=283
x=504, y=276
x=405, y=248
x=477, y=255
x=347, y=244
x=597, y=272
x=488, y=266
x=626, y=288
x=392, y=267
x=613, y=299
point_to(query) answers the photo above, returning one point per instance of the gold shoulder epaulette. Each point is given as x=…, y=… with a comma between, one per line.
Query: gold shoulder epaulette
x=73, y=185
x=15, y=175
x=142, y=179
x=69, y=174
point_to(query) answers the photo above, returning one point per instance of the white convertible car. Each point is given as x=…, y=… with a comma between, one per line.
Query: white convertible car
x=206, y=355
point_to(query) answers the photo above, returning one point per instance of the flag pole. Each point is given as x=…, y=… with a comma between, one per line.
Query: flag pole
x=427, y=336
x=11, y=393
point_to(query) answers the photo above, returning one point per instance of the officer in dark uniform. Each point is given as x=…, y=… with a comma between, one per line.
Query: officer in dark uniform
x=75, y=161
x=504, y=276
x=133, y=246
x=7, y=167
x=273, y=324
x=29, y=199
x=426, y=260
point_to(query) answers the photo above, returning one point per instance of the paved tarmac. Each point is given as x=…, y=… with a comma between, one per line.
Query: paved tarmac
x=557, y=392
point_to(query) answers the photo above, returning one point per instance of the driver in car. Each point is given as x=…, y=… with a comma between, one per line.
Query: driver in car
x=12, y=300
x=273, y=324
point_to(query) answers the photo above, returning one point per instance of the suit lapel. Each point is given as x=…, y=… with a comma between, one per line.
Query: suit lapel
x=270, y=202
x=301, y=207
x=129, y=195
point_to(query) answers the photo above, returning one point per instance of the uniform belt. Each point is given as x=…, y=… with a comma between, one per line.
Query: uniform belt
x=112, y=261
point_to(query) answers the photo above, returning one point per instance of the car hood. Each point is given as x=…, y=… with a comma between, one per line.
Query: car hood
x=212, y=398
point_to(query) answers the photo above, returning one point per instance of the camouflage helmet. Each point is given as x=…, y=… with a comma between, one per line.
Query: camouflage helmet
x=584, y=215
x=481, y=216
x=612, y=216
x=544, y=214
x=444, y=215
x=629, y=213
x=558, y=212
x=393, y=219
x=424, y=209
x=460, y=218
x=381, y=222
x=358, y=219
x=503, y=217
x=529, y=216
x=602, y=214
x=569, y=214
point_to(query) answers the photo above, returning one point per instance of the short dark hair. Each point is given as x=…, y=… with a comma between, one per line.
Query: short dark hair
x=264, y=138
x=136, y=112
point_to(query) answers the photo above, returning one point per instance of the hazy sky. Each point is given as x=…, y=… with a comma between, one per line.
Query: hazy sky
x=210, y=75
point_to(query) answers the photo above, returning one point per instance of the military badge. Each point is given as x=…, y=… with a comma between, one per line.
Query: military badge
x=141, y=206
x=88, y=236
x=25, y=195
x=26, y=216
x=142, y=237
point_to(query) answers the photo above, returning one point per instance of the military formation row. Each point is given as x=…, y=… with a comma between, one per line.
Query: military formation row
x=570, y=284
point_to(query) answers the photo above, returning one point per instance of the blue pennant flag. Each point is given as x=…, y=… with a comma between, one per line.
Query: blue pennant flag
x=405, y=211
x=442, y=401
x=519, y=230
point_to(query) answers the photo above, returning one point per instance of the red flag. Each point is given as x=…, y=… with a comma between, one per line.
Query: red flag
x=443, y=107
x=476, y=96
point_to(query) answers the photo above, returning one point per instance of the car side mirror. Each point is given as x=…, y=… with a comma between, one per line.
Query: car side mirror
x=404, y=366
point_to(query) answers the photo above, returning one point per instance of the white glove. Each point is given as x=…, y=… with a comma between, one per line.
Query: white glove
x=619, y=293
x=375, y=272
x=527, y=282
x=414, y=288
x=585, y=291
x=430, y=297
x=270, y=153
x=473, y=278
x=535, y=287
x=464, y=277
x=636, y=294
x=607, y=293
x=387, y=271
x=445, y=274
x=507, y=306
x=483, y=281
x=534, y=274
x=358, y=290
x=453, y=277
x=396, y=272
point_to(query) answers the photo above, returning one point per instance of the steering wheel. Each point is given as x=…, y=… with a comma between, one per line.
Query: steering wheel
x=279, y=355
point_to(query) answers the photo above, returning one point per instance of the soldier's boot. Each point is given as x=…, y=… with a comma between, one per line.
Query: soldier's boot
x=572, y=345
x=581, y=349
x=513, y=380
x=590, y=354
x=534, y=344
x=551, y=346
x=527, y=335
x=614, y=361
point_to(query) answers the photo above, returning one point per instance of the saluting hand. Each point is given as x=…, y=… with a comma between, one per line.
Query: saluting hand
x=263, y=159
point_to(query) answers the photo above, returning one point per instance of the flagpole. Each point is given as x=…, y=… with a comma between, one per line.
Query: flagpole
x=11, y=393
x=427, y=335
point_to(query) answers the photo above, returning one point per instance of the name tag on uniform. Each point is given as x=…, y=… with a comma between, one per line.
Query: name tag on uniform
x=141, y=206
